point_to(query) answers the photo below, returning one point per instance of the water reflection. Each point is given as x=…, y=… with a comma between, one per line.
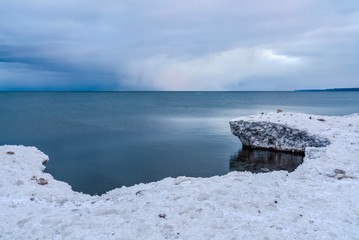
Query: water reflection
x=259, y=160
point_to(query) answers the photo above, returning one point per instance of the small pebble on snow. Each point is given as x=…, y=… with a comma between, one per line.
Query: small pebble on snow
x=42, y=181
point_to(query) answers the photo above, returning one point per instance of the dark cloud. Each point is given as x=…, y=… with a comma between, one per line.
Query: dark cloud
x=25, y=68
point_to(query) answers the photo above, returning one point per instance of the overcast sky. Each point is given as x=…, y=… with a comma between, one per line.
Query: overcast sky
x=178, y=45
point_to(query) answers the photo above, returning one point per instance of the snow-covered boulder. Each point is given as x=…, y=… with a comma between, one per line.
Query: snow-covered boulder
x=276, y=136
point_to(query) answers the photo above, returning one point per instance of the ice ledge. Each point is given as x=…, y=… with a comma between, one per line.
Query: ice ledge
x=316, y=201
x=275, y=136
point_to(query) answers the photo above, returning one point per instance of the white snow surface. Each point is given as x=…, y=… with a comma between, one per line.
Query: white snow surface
x=310, y=203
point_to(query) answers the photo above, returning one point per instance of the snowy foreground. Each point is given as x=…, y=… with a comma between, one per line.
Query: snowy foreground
x=319, y=200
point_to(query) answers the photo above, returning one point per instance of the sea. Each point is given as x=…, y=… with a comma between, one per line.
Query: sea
x=98, y=141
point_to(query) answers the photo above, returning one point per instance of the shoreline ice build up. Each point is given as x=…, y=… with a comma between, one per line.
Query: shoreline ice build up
x=319, y=200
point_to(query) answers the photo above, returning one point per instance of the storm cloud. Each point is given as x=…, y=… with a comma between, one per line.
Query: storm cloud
x=178, y=45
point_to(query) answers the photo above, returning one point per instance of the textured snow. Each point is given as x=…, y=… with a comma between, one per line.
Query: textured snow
x=275, y=136
x=319, y=200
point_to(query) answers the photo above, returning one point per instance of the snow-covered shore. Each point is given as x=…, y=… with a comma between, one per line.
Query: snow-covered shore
x=316, y=201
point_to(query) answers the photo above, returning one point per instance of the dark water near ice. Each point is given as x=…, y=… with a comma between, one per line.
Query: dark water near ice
x=260, y=160
x=102, y=140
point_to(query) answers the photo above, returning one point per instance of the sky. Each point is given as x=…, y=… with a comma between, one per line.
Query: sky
x=210, y=45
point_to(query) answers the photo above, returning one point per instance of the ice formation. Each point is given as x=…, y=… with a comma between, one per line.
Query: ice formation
x=319, y=200
x=270, y=135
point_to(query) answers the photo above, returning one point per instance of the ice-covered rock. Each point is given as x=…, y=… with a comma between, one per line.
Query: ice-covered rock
x=269, y=135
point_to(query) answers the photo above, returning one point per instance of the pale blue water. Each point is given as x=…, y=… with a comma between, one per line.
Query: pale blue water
x=98, y=141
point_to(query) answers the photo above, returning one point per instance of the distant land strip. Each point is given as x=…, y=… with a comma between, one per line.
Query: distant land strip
x=329, y=90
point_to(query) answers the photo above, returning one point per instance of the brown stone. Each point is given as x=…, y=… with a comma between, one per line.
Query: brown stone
x=339, y=171
x=42, y=181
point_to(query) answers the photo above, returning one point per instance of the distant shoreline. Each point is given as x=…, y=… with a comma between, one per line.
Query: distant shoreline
x=329, y=90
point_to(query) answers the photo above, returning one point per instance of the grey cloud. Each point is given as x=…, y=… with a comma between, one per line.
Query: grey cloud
x=93, y=43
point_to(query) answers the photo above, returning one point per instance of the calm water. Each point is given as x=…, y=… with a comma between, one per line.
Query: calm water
x=259, y=160
x=100, y=141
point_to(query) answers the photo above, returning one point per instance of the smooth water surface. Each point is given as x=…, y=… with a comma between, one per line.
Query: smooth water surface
x=98, y=141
